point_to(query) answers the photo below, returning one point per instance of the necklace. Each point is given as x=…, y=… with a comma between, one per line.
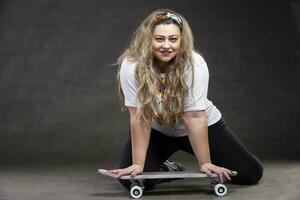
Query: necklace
x=162, y=85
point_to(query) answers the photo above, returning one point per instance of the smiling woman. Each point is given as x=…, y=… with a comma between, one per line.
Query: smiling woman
x=163, y=82
x=165, y=44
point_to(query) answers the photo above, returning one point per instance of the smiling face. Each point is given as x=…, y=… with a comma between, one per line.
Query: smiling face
x=165, y=43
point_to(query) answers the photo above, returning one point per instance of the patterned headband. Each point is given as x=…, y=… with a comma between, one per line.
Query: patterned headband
x=169, y=15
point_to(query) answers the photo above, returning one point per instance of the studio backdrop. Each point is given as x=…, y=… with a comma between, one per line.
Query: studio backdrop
x=58, y=83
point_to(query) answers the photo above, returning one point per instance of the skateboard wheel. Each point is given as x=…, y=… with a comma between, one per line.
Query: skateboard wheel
x=136, y=192
x=220, y=190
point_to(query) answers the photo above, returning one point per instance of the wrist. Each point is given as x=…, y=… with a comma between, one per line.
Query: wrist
x=138, y=164
x=206, y=163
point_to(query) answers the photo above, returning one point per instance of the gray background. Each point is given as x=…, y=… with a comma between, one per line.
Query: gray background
x=58, y=100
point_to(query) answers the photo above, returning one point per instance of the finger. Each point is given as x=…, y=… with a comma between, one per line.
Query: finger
x=114, y=170
x=228, y=171
x=233, y=173
x=136, y=172
x=133, y=173
x=227, y=175
x=214, y=170
x=221, y=177
x=125, y=172
x=207, y=172
x=120, y=173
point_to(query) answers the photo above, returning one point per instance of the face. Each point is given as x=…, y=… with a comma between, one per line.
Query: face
x=165, y=42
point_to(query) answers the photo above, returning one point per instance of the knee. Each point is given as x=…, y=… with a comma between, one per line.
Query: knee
x=259, y=173
x=249, y=176
x=255, y=176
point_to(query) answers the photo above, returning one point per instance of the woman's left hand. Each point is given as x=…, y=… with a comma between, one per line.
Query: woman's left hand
x=210, y=168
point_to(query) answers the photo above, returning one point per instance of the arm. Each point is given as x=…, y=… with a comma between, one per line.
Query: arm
x=195, y=119
x=196, y=125
x=139, y=138
x=139, y=133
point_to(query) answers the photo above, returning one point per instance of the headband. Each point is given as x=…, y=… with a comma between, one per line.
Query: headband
x=169, y=15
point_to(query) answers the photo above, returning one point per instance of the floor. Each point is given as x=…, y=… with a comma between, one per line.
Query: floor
x=280, y=182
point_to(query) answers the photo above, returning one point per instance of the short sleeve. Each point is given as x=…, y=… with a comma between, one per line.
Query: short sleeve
x=128, y=84
x=197, y=96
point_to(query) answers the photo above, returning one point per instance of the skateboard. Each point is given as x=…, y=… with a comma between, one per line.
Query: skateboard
x=137, y=187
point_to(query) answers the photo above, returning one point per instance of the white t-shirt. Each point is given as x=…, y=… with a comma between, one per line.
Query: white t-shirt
x=199, y=102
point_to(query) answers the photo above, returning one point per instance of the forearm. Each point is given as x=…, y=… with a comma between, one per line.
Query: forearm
x=198, y=136
x=140, y=136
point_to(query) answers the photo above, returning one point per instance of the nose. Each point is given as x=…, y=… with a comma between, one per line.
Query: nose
x=166, y=44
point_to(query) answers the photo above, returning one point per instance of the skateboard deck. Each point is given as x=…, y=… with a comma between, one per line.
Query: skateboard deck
x=163, y=175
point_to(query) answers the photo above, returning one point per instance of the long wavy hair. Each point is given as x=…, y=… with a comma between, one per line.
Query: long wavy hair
x=147, y=74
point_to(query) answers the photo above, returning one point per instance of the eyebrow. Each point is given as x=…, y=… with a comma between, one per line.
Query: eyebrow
x=164, y=36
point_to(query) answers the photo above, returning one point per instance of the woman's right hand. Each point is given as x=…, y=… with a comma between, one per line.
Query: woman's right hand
x=222, y=172
x=132, y=170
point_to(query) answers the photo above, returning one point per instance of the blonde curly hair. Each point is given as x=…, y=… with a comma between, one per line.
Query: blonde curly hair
x=147, y=74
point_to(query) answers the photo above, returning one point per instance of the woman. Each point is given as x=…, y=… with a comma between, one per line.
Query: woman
x=163, y=82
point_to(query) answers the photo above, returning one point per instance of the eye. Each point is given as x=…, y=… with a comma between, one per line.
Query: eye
x=159, y=39
x=173, y=39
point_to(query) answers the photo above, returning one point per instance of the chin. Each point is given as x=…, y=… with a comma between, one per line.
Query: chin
x=164, y=59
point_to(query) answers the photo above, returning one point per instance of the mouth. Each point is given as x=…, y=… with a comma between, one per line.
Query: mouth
x=165, y=53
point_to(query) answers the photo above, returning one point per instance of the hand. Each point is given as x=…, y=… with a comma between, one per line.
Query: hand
x=133, y=170
x=210, y=168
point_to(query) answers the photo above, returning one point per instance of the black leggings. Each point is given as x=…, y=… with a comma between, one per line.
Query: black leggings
x=225, y=150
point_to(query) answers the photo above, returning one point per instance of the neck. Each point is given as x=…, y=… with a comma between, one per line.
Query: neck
x=163, y=66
